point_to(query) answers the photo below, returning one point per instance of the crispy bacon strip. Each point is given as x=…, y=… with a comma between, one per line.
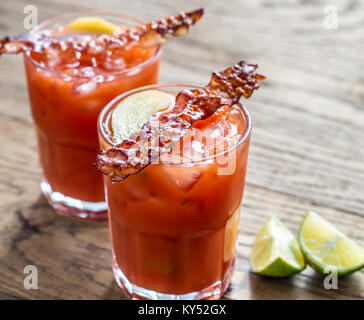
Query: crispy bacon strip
x=140, y=149
x=149, y=35
x=155, y=32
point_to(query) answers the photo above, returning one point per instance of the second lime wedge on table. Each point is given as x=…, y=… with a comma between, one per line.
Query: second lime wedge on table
x=276, y=252
x=325, y=247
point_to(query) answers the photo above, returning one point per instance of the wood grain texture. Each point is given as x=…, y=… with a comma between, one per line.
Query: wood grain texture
x=307, y=148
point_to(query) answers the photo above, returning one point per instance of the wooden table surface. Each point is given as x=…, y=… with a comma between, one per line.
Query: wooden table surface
x=307, y=148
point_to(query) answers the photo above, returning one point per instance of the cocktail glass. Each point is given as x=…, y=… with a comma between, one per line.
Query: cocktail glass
x=65, y=106
x=174, y=225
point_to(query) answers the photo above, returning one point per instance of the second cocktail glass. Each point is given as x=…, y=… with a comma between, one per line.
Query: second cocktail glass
x=66, y=97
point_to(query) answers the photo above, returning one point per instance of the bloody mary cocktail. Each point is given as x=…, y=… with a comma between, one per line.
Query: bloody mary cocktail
x=67, y=92
x=174, y=224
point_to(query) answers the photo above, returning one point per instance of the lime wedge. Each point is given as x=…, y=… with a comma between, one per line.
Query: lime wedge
x=276, y=252
x=325, y=247
x=136, y=110
x=92, y=25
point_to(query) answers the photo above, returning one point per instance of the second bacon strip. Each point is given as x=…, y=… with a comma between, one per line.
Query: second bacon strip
x=160, y=134
x=148, y=35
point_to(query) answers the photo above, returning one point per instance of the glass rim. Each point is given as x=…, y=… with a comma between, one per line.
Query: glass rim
x=118, y=74
x=104, y=112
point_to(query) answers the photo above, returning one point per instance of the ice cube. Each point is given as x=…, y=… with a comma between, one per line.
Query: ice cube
x=184, y=177
x=86, y=72
x=192, y=204
x=70, y=58
x=84, y=86
x=137, y=193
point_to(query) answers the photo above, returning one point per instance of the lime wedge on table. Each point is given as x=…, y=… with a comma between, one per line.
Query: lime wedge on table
x=92, y=24
x=276, y=252
x=325, y=246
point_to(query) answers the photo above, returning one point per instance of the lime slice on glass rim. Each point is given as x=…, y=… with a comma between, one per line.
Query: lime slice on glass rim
x=136, y=110
x=326, y=248
x=276, y=252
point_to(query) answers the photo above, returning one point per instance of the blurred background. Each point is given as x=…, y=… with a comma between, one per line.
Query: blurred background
x=307, y=149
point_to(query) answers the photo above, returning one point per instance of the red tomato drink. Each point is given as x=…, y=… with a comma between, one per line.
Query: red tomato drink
x=174, y=224
x=67, y=92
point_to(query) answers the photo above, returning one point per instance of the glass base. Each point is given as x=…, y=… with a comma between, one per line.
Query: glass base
x=213, y=292
x=71, y=207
